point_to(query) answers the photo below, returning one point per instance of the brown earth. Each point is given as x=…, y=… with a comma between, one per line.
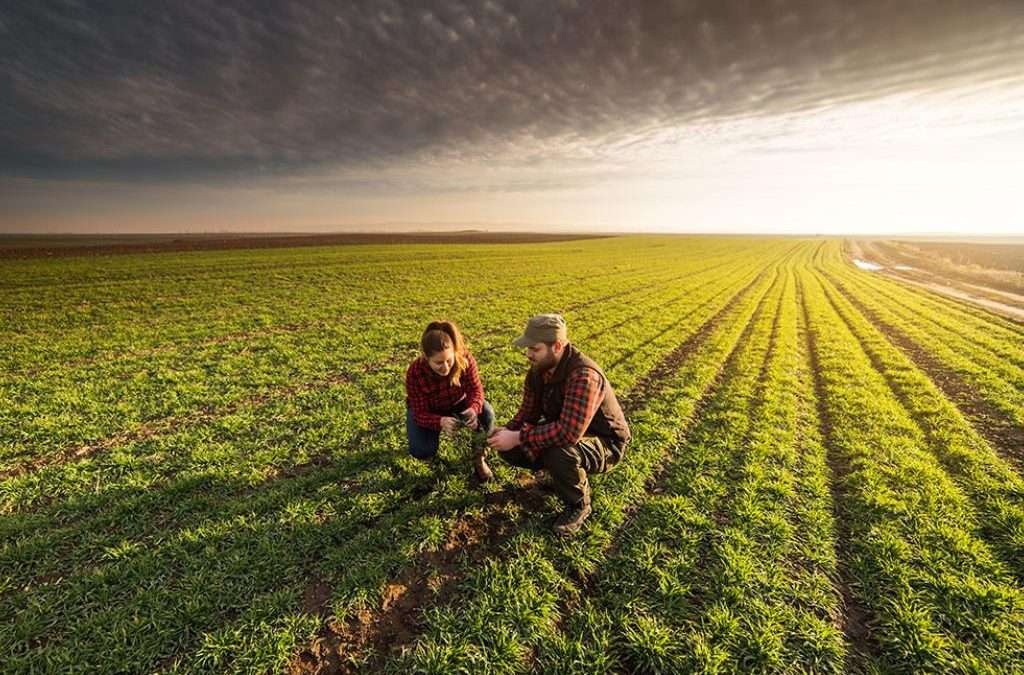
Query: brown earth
x=43, y=247
x=365, y=640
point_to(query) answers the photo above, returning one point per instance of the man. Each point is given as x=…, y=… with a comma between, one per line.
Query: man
x=569, y=423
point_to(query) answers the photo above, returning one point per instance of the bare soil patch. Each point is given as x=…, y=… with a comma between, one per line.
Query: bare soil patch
x=364, y=641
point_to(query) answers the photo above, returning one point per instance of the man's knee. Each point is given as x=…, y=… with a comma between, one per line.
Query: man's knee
x=567, y=474
x=561, y=460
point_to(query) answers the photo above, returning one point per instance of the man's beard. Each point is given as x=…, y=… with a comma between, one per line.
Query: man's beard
x=547, y=363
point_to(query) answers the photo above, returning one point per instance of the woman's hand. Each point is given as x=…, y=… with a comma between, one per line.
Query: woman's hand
x=449, y=425
x=469, y=419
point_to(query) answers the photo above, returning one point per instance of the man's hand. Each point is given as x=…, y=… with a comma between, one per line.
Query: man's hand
x=469, y=419
x=503, y=439
x=449, y=425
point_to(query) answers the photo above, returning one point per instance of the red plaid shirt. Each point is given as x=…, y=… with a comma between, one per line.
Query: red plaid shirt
x=431, y=396
x=582, y=399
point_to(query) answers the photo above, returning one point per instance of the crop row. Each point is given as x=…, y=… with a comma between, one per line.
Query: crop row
x=730, y=567
x=986, y=357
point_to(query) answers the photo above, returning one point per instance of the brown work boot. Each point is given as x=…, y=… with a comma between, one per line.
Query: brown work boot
x=571, y=520
x=483, y=472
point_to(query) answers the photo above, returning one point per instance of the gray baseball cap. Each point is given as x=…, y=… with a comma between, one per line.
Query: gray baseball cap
x=543, y=328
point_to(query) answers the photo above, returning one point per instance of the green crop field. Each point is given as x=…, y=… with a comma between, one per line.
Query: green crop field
x=203, y=466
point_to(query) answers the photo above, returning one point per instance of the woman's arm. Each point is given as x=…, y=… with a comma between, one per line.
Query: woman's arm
x=416, y=395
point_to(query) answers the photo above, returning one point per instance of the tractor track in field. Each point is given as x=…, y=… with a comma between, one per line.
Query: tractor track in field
x=991, y=423
x=372, y=633
x=854, y=619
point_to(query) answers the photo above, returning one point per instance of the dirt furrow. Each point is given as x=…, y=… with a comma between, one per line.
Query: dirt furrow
x=363, y=642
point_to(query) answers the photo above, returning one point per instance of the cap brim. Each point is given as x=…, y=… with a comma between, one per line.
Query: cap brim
x=522, y=341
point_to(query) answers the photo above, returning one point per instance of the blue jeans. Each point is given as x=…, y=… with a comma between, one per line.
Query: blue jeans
x=423, y=442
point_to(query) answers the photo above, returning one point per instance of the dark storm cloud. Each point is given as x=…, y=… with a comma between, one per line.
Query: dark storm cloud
x=186, y=89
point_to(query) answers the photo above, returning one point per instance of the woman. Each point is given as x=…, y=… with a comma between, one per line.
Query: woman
x=443, y=392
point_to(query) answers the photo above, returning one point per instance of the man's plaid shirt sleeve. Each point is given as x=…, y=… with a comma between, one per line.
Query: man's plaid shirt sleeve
x=582, y=398
x=416, y=388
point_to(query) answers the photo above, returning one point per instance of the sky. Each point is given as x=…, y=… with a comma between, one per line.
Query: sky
x=752, y=116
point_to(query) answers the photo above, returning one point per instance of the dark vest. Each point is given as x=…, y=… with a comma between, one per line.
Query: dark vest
x=609, y=422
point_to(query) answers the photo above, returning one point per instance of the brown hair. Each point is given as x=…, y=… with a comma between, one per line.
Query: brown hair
x=440, y=335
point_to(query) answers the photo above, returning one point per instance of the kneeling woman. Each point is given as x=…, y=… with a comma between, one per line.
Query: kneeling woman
x=443, y=392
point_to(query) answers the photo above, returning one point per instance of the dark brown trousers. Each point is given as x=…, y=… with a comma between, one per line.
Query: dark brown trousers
x=570, y=466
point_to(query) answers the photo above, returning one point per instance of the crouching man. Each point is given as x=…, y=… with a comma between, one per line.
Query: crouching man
x=569, y=423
